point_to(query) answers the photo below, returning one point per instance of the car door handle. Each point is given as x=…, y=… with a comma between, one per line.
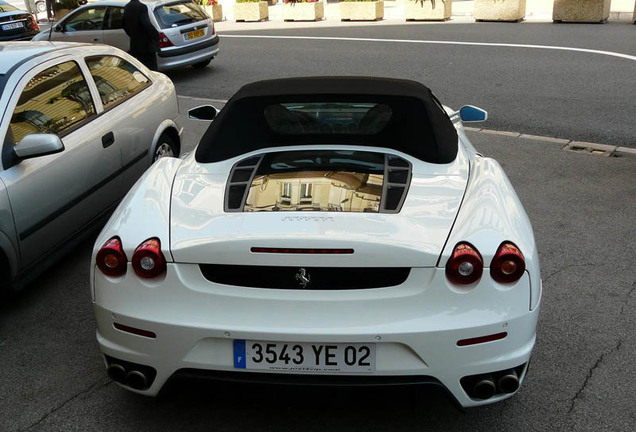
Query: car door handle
x=108, y=139
x=95, y=40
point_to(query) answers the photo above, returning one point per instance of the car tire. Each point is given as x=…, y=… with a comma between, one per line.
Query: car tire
x=166, y=147
x=40, y=7
x=202, y=64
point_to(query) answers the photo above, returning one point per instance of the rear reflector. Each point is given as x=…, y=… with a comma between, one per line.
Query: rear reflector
x=482, y=339
x=136, y=331
x=301, y=251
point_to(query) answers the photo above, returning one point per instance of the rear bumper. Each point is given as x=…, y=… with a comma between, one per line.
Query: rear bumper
x=196, y=322
x=178, y=57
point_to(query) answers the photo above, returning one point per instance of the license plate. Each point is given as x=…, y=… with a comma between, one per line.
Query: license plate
x=304, y=357
x=195, y=34
x=12, y=26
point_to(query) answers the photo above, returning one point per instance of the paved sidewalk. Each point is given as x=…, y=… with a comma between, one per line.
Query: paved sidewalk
x=536, y=11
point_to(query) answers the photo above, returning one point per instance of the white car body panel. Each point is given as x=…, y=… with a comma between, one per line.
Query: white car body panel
x=190, y=321
x=435, y=195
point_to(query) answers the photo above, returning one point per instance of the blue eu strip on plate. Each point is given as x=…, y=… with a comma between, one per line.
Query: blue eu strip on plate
x=239, y=354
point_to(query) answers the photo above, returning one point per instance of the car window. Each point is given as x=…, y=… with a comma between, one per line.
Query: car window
x=328, y=118
x=117, y=80
x=88, y=19
x=53, y=101
x=113, y=19
x=6, y=7
x=178, y=14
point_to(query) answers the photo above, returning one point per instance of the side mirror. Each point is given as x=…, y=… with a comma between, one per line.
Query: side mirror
x=203, y=113
x=59, y=28
x=36, y=145
x=469, y=113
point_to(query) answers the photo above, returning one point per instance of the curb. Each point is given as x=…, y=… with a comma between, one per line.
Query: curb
x=568, y=145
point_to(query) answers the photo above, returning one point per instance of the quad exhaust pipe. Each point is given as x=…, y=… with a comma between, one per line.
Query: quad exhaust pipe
x=485, y=387
x=508, y=382
x=488, y=385
x=135, y=379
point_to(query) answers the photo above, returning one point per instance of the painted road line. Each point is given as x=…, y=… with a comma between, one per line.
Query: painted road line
x=433, y=42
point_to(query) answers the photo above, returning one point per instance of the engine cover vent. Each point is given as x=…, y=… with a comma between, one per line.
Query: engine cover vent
x=349, y=181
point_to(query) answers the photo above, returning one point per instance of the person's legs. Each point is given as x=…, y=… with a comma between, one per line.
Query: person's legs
x=149, y=60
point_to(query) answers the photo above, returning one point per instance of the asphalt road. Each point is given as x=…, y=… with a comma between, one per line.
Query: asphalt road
x=584, y=96
x=581, y=377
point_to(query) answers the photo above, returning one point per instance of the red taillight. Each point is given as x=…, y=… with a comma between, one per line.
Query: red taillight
x=213, y=30
x=164, y=42
x=111, y=259
x=148, y=261
x=465, y=265
x=508, y=264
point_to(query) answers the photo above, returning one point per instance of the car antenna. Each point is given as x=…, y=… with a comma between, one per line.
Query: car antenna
x=51, y=21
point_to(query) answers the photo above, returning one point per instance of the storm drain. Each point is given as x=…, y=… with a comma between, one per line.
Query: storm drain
x=590, y=148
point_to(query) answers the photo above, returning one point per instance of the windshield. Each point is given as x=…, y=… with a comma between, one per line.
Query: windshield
x=178, y=14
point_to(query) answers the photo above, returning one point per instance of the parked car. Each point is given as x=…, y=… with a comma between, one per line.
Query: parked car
x=16, y=24
x=187, y=35
x=79, y=124
x=351, y=234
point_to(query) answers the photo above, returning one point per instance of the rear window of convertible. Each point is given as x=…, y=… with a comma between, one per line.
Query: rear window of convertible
x=327, y=118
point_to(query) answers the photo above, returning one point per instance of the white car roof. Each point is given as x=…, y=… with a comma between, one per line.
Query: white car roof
x=12, y=53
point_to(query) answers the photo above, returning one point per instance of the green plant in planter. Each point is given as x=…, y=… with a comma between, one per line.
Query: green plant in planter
x=427, y=10
x=206, y=2
x=249, y=1
x=429, y=1
x=300, y=1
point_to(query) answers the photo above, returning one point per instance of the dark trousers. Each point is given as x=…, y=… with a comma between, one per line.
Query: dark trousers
x=148, y=59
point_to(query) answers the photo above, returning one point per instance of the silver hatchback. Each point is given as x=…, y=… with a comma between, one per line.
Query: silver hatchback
x=79, y=124
x=187, y=34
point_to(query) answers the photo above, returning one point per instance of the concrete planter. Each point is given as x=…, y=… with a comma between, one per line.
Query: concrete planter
x=581, y=10
x=214, y=11
x=256, y=11
x=361, y=10
x=427, y=10
x=500, y=10
x=314, y=11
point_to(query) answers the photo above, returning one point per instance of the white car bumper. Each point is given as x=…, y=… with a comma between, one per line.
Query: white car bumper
x=415, y=327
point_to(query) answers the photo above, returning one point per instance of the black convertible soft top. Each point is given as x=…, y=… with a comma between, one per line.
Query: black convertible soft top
x=417, y=124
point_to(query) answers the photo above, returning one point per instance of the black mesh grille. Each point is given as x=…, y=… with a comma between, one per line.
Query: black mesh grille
x=320, y=278
x=239, y=183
